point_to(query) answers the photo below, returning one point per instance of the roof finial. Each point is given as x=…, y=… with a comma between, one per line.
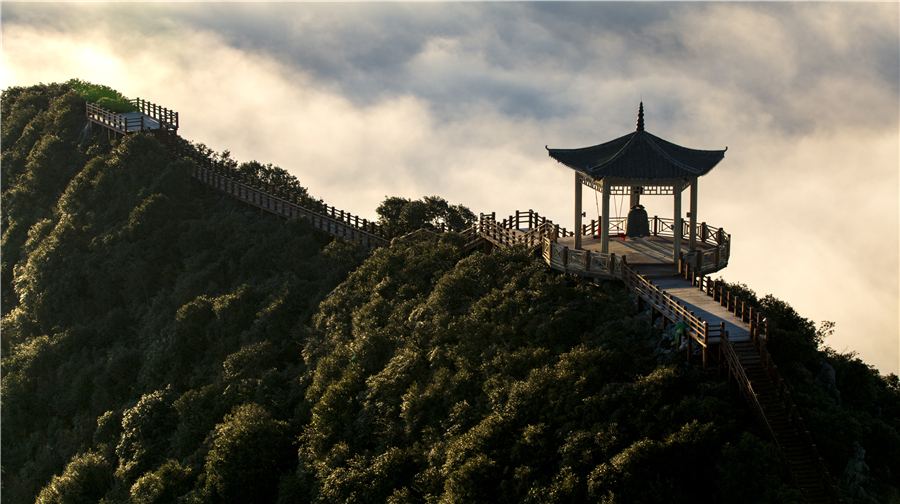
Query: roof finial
x=640, y=123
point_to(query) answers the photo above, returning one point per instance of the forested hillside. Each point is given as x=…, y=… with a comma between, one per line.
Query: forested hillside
x=163, y=344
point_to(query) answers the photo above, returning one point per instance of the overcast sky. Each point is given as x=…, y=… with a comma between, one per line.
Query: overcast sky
x=362, y=101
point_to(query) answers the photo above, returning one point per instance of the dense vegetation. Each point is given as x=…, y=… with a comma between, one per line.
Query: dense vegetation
x=162, y=344
x=103, y=96
x=401, y=215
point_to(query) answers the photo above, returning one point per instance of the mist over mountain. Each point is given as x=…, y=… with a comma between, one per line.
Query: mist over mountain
x=163, y=343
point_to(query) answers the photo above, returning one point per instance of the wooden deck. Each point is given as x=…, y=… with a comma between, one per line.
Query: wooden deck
x=659, y=250
x=701, y=305
x=138, y=121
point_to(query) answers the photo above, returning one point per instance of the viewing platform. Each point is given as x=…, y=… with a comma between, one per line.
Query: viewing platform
x=147, y=117
x=653, y=254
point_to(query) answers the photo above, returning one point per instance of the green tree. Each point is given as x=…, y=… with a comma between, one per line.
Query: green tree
x=85, y=480
x=250, y=452
x=401, y=215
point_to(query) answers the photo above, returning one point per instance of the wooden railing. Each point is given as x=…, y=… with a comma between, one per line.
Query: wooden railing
x=580, y=262
x=707, y=261
x=525, y=228
x=281, y=201
x=527, y=221
x=616, y=227
x=162, y=118
x=114, y=121
x=718, y=291
x=168, y=119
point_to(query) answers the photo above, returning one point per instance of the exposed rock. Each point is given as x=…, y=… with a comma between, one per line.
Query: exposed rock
x=856, y=475
x=826, y=378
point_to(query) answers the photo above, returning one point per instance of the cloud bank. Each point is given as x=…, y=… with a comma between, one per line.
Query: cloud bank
x=361, y=101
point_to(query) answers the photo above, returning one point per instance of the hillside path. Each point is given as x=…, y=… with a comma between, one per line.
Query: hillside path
x=703, y=306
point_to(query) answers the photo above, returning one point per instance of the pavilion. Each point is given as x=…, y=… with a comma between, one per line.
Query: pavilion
x=636, y=164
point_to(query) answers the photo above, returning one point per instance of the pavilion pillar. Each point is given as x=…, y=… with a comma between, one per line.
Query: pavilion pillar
x=577, y=211
x=676, y=223
x=692, y=242
x=604, y=218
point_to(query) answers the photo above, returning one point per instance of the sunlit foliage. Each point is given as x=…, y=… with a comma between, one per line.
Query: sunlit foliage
x=102, y=96
x=401, y=215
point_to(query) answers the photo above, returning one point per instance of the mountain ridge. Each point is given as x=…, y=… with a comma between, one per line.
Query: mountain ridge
x=153, y=335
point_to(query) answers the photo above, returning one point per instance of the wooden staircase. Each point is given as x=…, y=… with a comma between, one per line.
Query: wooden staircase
x=776, y=409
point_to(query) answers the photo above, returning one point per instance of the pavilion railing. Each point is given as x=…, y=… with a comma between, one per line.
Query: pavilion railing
x=660, y=226
x=581, y=262
x=706, y=261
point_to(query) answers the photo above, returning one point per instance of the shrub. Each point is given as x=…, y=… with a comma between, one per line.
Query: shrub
x=250, y=453
x=103, y=96
x=86, y=479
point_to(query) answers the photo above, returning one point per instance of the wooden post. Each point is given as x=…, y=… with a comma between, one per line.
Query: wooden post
x=578, y=233
x=604, y=218
x=677, y=225
x=692, y=241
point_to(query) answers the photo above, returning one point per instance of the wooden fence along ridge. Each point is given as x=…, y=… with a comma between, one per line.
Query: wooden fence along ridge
x=748, y=362
x=280, y=201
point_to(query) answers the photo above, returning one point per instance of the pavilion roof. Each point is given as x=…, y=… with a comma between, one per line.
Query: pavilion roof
x=639, y=156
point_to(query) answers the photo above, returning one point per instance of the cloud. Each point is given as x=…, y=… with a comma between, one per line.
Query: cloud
x=361, y=101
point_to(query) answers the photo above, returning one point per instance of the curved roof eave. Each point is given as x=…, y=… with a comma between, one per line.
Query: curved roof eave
x=623, y=158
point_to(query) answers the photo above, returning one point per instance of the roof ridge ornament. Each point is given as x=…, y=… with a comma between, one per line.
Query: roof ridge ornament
x=640, y=122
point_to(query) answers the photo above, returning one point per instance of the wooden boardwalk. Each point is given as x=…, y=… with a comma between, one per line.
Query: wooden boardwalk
x=701, y=305
x=726, y=330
